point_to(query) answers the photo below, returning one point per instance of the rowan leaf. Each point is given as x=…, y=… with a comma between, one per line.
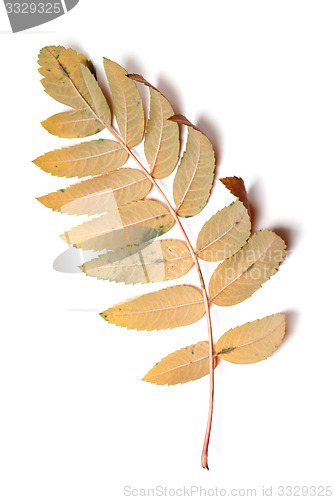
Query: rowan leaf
x=224, y=233
x=147, y=263
x=127, y=103
x=162, y=138
x=236, y=186
x=172, y=307
x=73, y=124
x=131, y=224
x=194, y=176
x=81, y=160
x=238, y=277
x=188, y=364
x=100, y=194
x=252, y=342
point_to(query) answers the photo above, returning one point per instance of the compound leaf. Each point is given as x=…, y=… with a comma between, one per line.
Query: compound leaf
x=100, y=194
x=81, y=160
x=194, y=176
x=224, y=233
x=238, y=277
x=162, y=138
x=187, y=364
x=172, y=307
x=127, y=103
x=252, y=342
x=131, y=224
x=157, y=261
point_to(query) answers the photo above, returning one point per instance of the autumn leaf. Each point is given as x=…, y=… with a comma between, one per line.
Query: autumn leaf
x=131, y=224
x=238, y=277
x=188, y=364
x=172, y=307
x=224, y=234
x=252, y=342
x=126, y=224
x=147, y=263
x=194, y=176
x=100, y=194
x=127, y=103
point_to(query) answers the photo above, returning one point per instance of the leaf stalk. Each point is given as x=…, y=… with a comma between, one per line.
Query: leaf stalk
x=204, y=458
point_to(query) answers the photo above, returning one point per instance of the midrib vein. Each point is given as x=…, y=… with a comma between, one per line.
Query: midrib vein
x=221, y=235
x=98, y=193
x=128, y=313
x=140, y=264
x=189, y=363
x=123, y=226
x=252, y=341
x=160, y=137
x=86, y=157
x=193, y=174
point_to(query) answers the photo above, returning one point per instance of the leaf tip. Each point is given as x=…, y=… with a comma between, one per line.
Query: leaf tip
x=65, y=237
x=106, y=61
x=104, y=315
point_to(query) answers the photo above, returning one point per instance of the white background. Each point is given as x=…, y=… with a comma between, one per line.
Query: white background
x=76, y=420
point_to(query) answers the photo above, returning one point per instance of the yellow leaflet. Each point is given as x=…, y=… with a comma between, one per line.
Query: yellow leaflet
x=168, y=308
x=100, y=194
x=238, y=277
x=252, y=342
x=131, y=224
x=162, y=138
x=224, y=233
x=127, y=103
x=160, y=260
x=73, y=124
x=81, y=160
x=187, y=364
x=194, y=176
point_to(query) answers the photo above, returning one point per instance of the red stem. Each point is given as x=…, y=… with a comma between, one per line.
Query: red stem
x=204, y=458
